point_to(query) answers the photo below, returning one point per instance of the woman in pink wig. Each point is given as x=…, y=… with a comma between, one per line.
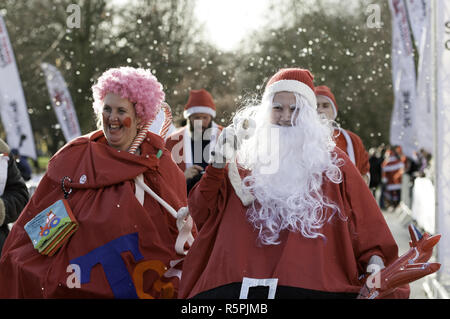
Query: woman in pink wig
x=124, y=246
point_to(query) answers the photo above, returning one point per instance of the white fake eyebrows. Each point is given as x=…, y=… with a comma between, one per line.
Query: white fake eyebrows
x=279, y=104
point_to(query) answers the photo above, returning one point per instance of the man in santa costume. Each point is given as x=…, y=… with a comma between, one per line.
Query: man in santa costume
x=286, y=215
x=346, y=140
x=191, y=144
x=392, y=170
x=121, y=194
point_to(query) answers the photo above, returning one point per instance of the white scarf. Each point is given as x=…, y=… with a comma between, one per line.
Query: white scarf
x=350, y=150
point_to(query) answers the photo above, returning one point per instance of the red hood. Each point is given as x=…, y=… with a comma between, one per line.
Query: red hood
x=102, y=165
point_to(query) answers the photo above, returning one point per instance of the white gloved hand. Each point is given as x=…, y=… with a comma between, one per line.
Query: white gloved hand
x=225, y=148
x=375, y=264
x=245, y=128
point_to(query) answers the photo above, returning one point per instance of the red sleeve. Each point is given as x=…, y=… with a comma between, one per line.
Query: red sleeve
x=371, y=234
x=206, y=194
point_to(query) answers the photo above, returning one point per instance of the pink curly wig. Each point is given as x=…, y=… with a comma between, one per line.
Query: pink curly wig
x=137, y=85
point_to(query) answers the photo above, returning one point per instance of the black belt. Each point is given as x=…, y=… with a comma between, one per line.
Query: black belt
x=232, y=291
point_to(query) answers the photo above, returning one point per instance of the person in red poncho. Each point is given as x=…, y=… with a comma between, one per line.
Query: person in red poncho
x=191, y=143
x=124, y=246
x=287, y=215
x=392, y=170
x=346, y=140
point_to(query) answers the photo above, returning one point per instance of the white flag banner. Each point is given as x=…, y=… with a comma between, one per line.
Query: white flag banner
x=443, y=137
x=403, y=131
x=424, y=104
x=418, y=12
x=61, y=102
x=13, y=108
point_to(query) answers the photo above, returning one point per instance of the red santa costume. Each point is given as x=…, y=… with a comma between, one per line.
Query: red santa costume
x=392, y=170
x=124, y=246
x=346, y=140
x=305, y=228
x=180, y=143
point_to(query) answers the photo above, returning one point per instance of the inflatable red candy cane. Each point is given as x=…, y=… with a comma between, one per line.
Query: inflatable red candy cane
x=184, y=220
x=407, y=268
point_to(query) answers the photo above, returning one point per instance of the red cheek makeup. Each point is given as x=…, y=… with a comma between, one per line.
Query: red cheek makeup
x=127, y=122
x=105, y=119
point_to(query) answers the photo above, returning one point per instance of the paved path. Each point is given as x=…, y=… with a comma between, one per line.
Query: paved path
x=400, y=232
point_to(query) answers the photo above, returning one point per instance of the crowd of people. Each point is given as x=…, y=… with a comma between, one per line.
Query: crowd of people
x=390, y=169
x=277, y=204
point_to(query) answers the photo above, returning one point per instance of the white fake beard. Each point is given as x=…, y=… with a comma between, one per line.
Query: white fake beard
x=288, y=169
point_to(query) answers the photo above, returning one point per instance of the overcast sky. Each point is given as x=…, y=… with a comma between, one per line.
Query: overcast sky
x=227, y=22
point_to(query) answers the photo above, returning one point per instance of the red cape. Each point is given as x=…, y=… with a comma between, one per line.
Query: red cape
x=226, y=248
x=173, y=140
x=121, y=248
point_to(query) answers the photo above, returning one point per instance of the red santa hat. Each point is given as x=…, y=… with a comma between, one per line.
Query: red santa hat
x=294, y=80
x=325, y=91
x=200, y=101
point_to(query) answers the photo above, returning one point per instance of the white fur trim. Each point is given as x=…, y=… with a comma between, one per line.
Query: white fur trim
x=350, y=149
x=233, y=174
x=215, y=132
x=293, y=86
x=393, y=167
x=187, y=148
x=199, y=109
x=393, y=187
